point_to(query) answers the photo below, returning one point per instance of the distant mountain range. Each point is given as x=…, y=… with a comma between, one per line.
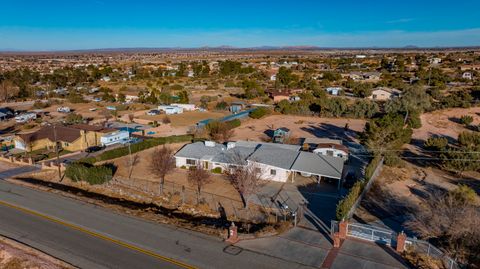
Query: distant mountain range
x=231, y=48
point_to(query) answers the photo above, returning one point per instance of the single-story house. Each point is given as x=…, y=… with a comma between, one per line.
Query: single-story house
x=279, y=95
x=72, y=138
x=186, y=107
x=332, y=149
x=169, y=110
x=333, y=90
x=384, y=94
x=467, y=75
x=114, y=138
x=276, y=162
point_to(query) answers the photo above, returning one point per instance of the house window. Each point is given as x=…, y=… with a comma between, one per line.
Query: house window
x=191, y=162
x=258, y=170
x=65, y=144
x=340, y=155
x=273, y=172
x=329, y=152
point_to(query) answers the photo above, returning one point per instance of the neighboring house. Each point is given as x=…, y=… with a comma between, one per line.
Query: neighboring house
x=169, y=110
x=236, y=107
x=279, y=95
x=185, y=107
x=6, y=113
x=333, y=90
x=280, y=135
x=467, y=75
x=72, y=138
x=365, y=75
x=131, y=98
x=106, y=78
x=64, y=109
x=332, y=149
x=25, y=117
x=384, y=94
x=277, y=162
x=114, y=138
x=273, y=77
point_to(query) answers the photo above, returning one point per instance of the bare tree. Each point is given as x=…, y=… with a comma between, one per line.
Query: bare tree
x=452, y=219
x=131, y=117
x=245, y=176
x=219, y=131
x=162, y=163
x=198, y=177
x=7, y=90
x=166, y=120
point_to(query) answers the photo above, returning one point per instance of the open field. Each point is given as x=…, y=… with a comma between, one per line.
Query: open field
x=300, y=126
x=187, y=118
x=443, y=123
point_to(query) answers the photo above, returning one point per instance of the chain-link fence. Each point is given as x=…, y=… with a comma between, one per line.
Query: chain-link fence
x=230, y=208
x=424, y=247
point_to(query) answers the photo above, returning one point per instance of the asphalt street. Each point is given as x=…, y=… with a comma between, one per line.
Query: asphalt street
x=89, y=236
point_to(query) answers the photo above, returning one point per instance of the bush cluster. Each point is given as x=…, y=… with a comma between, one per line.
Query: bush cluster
x=146, y=144
x=89, y=173
x=259, y=113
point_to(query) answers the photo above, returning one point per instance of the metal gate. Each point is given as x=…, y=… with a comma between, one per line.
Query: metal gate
x=371, y=233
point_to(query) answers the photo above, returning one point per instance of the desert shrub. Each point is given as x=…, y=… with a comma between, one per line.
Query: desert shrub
x=166, y=120
x=436, y=143
x=39, y=104
x=466, y=120
x=89, y=173
x=259, y=113
x=234, y=123
x=75, y=98
x=347, y=203
x=217, y=170
x=463, y=194
x=392, y=160
x=73, y=118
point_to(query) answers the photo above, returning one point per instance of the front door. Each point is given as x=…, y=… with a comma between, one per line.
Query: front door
x=205, y=165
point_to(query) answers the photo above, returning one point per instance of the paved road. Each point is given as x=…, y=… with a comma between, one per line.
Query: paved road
x=91, y=237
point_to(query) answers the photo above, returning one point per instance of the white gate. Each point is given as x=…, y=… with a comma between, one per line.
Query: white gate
x=371, y=233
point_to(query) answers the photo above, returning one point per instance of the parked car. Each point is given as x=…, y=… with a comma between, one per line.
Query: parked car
x=93, y=149
x=153, y=112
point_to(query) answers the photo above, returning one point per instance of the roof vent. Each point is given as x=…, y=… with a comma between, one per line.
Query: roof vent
x=210, y=144
x=230, y=145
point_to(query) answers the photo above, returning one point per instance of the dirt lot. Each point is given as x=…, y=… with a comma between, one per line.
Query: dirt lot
x=17, y=256
x=300, y=126
x=443, y=123
x=188, y=118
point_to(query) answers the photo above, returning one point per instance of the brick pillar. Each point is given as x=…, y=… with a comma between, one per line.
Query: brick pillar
x=401, y=239
x=232, y=234
x=336, y=240
x=342, y=229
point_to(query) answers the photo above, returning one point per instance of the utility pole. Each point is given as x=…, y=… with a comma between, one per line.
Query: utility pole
x=129, y=151
x=56, y=151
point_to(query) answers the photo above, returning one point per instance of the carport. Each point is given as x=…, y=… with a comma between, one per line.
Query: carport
x=318, y=165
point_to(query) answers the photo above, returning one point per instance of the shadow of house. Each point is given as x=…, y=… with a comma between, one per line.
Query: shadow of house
x=326, y=130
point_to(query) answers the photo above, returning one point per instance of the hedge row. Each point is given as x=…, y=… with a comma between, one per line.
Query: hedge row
x=89, y=173
x=259, y=112
x=146, y=144
x=348, y=201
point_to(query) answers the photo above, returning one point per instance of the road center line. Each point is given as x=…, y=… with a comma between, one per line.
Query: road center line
x=95, y=234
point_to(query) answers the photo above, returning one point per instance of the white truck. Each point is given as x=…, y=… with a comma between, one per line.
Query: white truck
x=25, y=117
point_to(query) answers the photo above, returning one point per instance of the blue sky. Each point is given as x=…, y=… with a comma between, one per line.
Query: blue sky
x=60, y=25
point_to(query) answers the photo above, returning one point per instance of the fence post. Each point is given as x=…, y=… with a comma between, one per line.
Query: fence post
x=342, y=229
x=401, y=240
